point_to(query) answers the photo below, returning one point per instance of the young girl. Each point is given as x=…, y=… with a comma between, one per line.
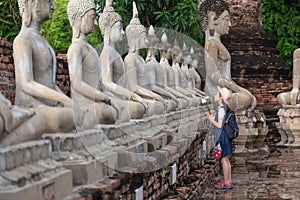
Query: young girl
x=222, y=98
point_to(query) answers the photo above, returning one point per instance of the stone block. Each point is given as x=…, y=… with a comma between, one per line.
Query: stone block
x=70, y=142
x=55, y=186
x=84, y=172
x=156, y=142
x=20, y=154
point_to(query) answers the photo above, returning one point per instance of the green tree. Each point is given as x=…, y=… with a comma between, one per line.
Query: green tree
x=10, y=19
x=282, y=20
x=58, y=31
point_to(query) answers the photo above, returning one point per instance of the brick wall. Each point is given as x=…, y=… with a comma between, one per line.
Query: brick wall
x=256, y=64
x=193, y=176
x=7, y=74
x=245, y=13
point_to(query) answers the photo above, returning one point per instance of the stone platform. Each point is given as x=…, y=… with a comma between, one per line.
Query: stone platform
x=27, y=171
x=67, y=165
x=252, y=133
x=289, y=126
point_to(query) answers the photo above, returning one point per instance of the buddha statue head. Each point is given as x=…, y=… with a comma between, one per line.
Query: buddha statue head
x=187, y=58
x=177, y=55
x=153, y=41
x=194, y=58
x=38, y=10
x=111, y=24
x=214, y=17
x=136, y=32
x=81, y=14
x=165, y=47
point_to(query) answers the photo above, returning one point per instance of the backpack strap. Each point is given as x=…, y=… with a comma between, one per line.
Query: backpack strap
x=228, y=117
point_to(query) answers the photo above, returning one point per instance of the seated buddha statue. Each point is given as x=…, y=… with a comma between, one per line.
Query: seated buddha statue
x=292, y=97
x=180, y=76
x=86, y=73
x=136, y=75
x=215, y=22
x=84, y=65
x=190, y=73
x=35, y=72
x=157, y=74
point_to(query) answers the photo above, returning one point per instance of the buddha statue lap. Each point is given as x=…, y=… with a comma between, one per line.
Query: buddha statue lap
x=35, y=72
x=136, y=76
x=293, y=97
x=215, y=22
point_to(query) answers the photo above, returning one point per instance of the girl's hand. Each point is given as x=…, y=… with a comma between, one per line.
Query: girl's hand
x=208, y=116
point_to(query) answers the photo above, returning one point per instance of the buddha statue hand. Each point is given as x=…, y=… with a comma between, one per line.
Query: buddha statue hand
x=225, y=83
x=67, y=103
x=107, y=100
x=294, y=96
x=103, y=98
x=135, y=97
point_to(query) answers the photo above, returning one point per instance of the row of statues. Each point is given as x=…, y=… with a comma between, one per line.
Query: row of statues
x=104, y=89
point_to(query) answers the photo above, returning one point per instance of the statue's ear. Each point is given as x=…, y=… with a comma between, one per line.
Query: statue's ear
x=77, y=25
x=27, y=15
x=211, y=22
x=106, y=35
x=27, y=12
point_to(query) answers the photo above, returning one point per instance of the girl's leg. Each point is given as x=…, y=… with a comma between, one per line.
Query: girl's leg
x=226, y=169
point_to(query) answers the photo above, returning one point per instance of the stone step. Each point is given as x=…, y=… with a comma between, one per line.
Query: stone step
x=20, y=154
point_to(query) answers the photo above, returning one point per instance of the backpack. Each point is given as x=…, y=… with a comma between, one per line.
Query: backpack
x=230, y=126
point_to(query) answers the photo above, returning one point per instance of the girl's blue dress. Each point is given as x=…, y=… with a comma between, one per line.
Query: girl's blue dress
x=221, y=137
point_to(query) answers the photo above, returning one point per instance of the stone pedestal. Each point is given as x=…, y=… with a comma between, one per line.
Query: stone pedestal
x=289, y=125
x=247, y=134
x=28, y=172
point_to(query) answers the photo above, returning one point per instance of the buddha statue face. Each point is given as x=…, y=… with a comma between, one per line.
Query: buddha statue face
x=88, y=22
x=136, y=33
x=141, y=41
x=44, y=9
x=168, y=53
x=116, y=32
x=39, y=10
x=214, y=17
x=187, y=59
x=82, y=15
x=111, y=24
x=223, y=23
x=194, y=63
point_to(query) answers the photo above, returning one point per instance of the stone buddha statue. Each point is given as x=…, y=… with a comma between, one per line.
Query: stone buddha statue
x=157, y=75
x=112, y=65
x=169, y=75
x=292, y=97
x=35, y=72
x=215, y=21
x=190, y=73
x=180, y=76
x=197, y=78
x=136, y=75
x=85, y=70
